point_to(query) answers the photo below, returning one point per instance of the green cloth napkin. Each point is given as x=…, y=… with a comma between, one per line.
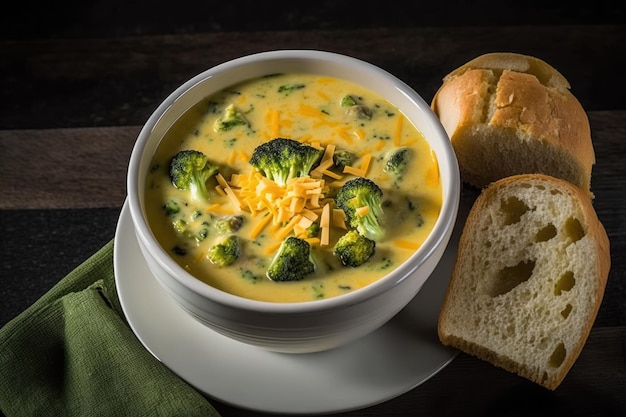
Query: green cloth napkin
x=72, y=354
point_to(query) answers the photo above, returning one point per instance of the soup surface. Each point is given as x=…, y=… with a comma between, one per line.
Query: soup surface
x=327, y=113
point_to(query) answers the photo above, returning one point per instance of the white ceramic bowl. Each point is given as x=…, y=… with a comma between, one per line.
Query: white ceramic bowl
x=304, y=326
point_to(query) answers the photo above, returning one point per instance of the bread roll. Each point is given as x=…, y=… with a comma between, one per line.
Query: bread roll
x=529, y=277
x=509, y=114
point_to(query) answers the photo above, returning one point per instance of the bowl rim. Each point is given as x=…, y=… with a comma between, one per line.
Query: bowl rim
x=438, y=236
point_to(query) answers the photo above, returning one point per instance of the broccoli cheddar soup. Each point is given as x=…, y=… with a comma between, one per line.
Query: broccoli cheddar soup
x=292, y=187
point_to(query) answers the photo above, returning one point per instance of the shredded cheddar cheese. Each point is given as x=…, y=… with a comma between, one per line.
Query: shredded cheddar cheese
x=304, y=222
x=323, y=95
x=432, y=175
x=229, y=192
x=284, y=231
x=290, y=208
x=308, y=111
x=220, y=190
x=353, y=171
x=218, y=208
x=272, y=248
x=362, y=211
x=343, y=134
x=360, y=134
x=325, y=225
x=406, y=244
x=397, y=137
x=313, y=240
x=243, y=156
x=273, y=122
x=260, y=226
x=331, y=174
x=365, y=163
x=379, y=145
x=242, y=99
x=339, y=218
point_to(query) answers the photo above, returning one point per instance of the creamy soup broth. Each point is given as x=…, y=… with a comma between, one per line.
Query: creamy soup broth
x=306, y=108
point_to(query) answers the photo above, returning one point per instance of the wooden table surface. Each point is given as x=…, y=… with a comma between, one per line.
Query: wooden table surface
x=78, y=79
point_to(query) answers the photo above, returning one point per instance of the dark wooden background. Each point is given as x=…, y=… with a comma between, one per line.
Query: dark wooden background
x=78, y=79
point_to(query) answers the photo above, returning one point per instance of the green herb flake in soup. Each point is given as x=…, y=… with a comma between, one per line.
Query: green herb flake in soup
x=318, y=180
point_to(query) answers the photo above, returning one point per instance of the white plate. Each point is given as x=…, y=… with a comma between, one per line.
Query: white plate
x=383, y=365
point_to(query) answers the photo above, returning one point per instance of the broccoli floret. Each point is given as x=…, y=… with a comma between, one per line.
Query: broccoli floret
x=348, y=101
x=228, y=224
x=231, y=117
x=353, y=249
x=171, y=207
x=313, y=230
x=190, y=170
x=359, y=112
x=198, y=232
x=292, y=262
x=355, y=109
x=397, y=161
x=224, y=253
x=343, y=158
x=283, y=159
x=362, y=192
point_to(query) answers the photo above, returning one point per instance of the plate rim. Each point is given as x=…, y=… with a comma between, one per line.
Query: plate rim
x=160, y=348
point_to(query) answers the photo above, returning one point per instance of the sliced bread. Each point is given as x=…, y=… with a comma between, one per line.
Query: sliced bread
x=529, y=277
x=509, y=114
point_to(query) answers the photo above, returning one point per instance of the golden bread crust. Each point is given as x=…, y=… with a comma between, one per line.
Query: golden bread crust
x=509, y=114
